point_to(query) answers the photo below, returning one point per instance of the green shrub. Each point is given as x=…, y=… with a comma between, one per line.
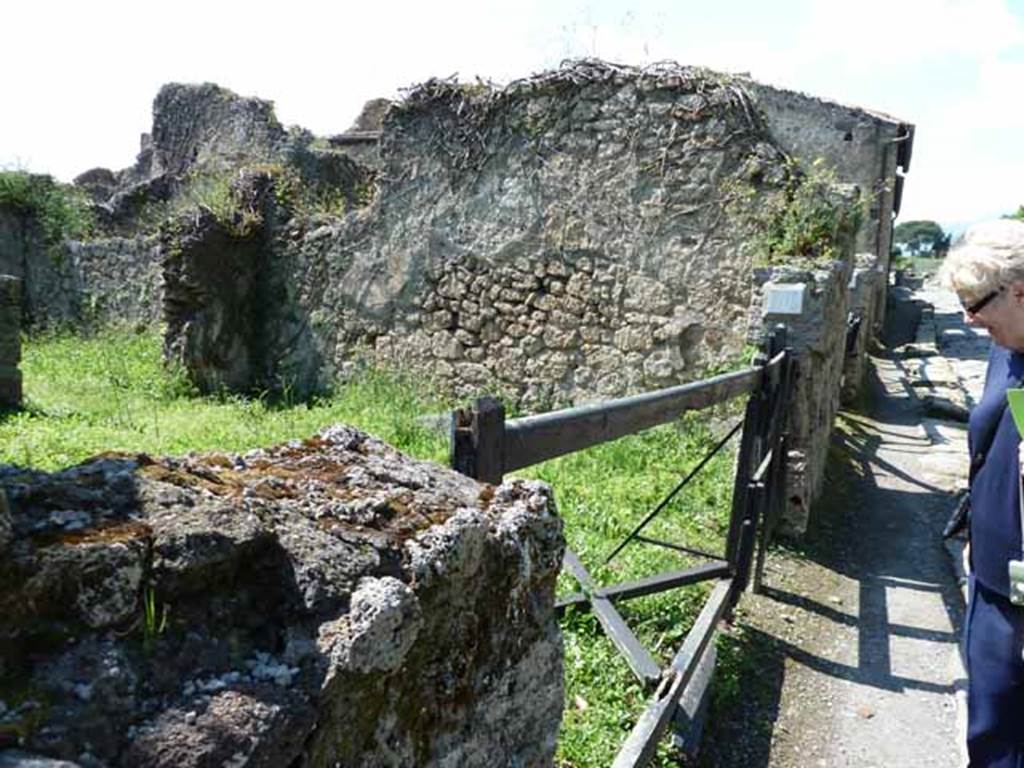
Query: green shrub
x=62, y=211
x=806, y=220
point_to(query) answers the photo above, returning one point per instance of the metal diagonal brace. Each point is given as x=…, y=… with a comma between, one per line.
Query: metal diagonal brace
x=642, y=742
x=664, y=502
x=639, y=659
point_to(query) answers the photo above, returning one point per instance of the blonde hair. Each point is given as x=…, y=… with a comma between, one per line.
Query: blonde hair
x=985, y=257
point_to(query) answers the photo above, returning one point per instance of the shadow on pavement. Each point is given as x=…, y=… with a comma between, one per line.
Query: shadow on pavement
x=879, y=525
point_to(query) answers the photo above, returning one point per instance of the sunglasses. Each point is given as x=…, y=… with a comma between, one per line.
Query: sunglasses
x=980, y=304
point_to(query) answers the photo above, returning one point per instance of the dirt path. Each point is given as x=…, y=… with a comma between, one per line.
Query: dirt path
x=850, y=657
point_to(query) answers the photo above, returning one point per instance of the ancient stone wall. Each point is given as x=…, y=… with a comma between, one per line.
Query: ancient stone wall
x=817, y=335
x=866, y=148
x=328, y=602
x=117, y=279
x=48, y=294
x=865, y=293
x=206, y=125
x=10, y=342
x=108, y=280
x=578, y=235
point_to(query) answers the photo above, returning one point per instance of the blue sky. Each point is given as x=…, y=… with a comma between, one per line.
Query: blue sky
x=80, y=77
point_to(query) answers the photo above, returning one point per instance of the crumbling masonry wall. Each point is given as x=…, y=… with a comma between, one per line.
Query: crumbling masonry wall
x=580, y=234
x=107, y=279
x=817, y=335
x=863, y=147
x=866, y=288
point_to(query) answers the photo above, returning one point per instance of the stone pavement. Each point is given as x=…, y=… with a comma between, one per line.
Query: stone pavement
x=857, y=634
x=958, y=372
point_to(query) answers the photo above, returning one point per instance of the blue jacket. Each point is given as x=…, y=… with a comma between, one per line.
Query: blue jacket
x=995, y=491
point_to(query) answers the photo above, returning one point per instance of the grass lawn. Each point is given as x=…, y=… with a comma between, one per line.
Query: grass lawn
x=110, y=392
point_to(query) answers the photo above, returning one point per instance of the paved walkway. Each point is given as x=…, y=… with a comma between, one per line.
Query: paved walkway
x=856, y=638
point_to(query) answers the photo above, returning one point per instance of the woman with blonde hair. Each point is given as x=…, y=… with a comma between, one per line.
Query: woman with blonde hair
x=986, y=269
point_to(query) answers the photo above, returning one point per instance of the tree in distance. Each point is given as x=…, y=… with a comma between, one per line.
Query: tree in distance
x=921, y=238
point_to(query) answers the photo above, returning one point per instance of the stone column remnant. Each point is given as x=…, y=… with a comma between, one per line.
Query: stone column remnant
x=10, y=341
x=327, y=602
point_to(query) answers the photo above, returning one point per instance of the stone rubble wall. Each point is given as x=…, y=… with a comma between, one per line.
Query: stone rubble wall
x=48, y=286
x=557, y=240
x=117, y=279
x=326, y=602
x=206, y=125
x=109, y=280
x=862, y=146
x=10, y=342
x=817, y=336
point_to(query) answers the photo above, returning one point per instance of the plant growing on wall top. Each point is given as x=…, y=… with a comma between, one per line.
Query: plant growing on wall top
x=63, y=212
x=808, y=219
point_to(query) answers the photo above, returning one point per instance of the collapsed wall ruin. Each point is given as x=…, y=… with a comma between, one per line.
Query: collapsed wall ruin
x=326, y=602
x=582, y=234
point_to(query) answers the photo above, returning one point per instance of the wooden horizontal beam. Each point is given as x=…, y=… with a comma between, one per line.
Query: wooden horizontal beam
x=534, y=439
x=639, y=658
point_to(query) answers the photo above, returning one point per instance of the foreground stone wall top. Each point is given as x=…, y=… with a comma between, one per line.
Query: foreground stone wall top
x=327, y=602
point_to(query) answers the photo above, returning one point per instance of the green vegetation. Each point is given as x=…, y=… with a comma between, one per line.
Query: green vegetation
x=809, y=219
x=109, y=392
x=218, y=194
x=222, y=194
x=62, y=210
x=920, y=265
x=154, y=620
x=602, y=493
x=1019, y=214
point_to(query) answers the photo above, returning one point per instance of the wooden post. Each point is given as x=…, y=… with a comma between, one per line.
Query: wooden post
x=755, y=498
x=750, y=455
x=744, y=462
x=489, y=438
x=777, y=443
x=476, y=447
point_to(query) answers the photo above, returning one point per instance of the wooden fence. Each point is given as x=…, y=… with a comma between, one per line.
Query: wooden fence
x=486, y=446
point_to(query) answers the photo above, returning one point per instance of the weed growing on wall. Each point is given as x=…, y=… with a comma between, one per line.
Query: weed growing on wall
x=61, y=210
x=808, y=220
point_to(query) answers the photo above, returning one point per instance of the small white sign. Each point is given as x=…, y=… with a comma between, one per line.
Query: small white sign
x=784, y=298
